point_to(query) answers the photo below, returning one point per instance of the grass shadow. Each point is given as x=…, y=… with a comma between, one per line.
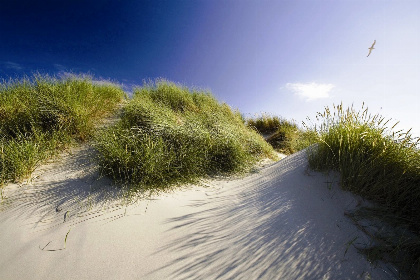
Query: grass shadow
x=277, y=224
x=67, y=192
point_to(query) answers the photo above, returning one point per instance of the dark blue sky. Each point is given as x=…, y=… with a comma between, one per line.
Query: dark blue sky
x=117, y=39
x=286, y=57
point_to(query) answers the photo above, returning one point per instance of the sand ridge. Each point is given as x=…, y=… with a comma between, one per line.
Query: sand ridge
x=281, y=222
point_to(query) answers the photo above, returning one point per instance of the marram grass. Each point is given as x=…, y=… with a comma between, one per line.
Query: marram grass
x=42, y=115
x=265, y=123
x=286, y=137
x=170, y=134
x=375, y=162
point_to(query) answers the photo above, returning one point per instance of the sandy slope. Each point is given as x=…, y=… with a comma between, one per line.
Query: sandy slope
x=282, y=222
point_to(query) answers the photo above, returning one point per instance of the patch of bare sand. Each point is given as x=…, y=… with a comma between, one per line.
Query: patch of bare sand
x=280, y=222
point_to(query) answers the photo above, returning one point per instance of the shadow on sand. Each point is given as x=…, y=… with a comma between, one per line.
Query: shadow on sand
x=69, y=191
x=283, y=223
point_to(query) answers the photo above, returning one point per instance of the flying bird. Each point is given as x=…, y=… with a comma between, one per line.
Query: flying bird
x=371, y=48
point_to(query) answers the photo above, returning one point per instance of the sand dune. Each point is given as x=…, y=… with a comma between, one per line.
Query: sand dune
x=281, y=222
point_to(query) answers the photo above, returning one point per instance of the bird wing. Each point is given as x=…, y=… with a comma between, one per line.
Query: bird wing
x=374, y=42
x=370, y=50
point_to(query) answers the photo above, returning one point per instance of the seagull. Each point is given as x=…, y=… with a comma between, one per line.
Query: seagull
x=371, y=48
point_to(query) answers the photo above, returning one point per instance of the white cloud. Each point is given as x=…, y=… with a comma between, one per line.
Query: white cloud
x=311, y=91
x=12, y=65
x=60, y=67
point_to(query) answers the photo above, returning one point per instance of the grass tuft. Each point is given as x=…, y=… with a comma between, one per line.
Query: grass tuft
x=283, y=135
x=170, y=134
x=375, y=162
x=265, y=124
x=42, y=115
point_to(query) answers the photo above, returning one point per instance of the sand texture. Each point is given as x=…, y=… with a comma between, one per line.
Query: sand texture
x=280, y=222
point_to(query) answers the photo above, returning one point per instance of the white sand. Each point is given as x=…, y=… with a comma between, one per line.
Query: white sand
x=283, y=222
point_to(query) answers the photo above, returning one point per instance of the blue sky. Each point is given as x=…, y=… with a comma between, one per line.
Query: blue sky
x=289, y=58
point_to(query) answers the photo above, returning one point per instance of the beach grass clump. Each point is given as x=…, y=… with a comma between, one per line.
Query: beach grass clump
x=375, y=162
x=283, y=135
x=289, y=138
x=265, y=124
x=42, y=115
x=170, y=134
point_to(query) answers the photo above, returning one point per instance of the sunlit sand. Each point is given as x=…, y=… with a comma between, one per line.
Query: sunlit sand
x=282, y=221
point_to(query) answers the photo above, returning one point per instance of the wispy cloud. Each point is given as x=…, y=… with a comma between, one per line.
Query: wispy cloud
x=310, y=91
x=12, y=65
x=60, y=67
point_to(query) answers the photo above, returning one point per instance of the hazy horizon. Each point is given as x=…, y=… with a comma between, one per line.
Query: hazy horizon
x=288, y=58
